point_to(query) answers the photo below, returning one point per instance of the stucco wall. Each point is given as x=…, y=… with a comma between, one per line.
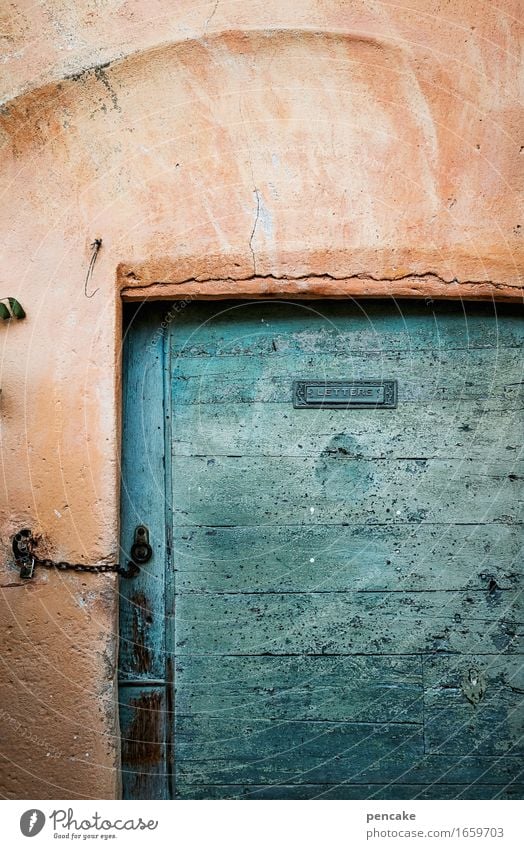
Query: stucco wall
x=215, y=148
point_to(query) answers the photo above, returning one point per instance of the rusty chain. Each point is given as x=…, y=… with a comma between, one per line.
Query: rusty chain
x=23, y=549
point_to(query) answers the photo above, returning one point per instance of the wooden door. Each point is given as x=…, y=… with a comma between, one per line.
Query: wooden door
x=332, y=610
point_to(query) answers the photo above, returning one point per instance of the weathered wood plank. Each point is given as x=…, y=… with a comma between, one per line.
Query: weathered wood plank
x=326, y=557
x=295, y=747
x=371, y=689
x=350, y=791
x=443, y=430
x=142, y=600
x=391, y=771
x=493, y=376
x=334, y=489
x=234, y=328
x=474, y=704
x=143, y=719
x=142, y=642
x=252, y=752
x=349, y=623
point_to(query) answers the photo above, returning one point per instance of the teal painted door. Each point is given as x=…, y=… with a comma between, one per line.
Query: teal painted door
x=333, y=609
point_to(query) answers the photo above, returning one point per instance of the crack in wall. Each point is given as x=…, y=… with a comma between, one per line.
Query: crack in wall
x=253, y=231
x=212, y=15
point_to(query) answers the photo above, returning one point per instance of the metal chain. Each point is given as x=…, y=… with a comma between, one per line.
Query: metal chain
x=78, y=567
x=23, y=549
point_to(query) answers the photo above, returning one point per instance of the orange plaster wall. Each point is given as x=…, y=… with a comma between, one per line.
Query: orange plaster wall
x=224, y=148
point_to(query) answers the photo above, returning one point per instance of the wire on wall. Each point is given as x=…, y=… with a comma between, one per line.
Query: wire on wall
x=96, y=245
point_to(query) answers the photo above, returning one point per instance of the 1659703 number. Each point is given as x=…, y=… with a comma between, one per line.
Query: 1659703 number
x=478, y=831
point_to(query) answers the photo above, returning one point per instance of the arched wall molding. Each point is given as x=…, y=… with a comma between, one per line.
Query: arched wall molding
x=54, y=79
x=372, y=75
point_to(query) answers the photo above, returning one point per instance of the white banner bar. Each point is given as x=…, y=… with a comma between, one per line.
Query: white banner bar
x=264, y=824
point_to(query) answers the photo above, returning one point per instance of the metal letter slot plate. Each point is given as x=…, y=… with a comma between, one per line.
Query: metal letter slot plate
x=345, y=394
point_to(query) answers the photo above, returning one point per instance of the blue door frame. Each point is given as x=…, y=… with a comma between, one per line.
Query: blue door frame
x=145, y=679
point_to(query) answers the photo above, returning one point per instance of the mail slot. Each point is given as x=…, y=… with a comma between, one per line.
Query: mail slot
x=345, y=393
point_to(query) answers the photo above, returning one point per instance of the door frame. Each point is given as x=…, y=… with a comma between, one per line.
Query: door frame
x=145, y=690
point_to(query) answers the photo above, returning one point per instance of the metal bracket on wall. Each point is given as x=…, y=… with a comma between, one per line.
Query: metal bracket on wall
x=23, y=552
x=141, y=551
